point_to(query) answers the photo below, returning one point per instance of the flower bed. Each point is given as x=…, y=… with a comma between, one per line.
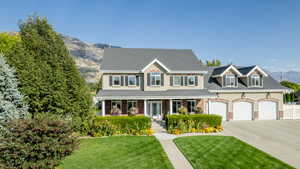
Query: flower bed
x=199, y=123
x=121, y=125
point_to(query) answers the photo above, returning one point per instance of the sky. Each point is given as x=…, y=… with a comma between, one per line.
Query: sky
x=242, y=32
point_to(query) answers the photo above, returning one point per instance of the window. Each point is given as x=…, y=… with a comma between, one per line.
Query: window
x=230, y=81
x=191, y=80
x=116, y=80
x=176, y=105
x=131, y=104
x=255, y=81
x=155, y=78
x=176, y=80
x=191, y=106
x=117, y=104
x=131, y=80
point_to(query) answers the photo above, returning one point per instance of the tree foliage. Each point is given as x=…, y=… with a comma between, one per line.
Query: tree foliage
x=11, y=100
x=8, y=40
x=291, y=85
x=47, y=73
x=214, y=62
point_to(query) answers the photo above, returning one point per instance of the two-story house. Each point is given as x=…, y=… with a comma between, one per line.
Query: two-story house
x=160, y=81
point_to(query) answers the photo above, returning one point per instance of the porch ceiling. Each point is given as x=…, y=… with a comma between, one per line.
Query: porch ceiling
x=168, y=94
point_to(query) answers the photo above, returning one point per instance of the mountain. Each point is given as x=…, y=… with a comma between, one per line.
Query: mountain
x=87, y=56
x=292, y=76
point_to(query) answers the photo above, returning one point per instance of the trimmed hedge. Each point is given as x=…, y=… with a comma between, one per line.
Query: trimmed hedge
x=115, y=125
x=186, y=123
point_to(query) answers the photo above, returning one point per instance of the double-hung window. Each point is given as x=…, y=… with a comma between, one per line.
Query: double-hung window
x=176, y=105
x=116, y=80
x=132, y=80
x=131, y=104
x=255, y=81
x=176, y=80
x=191, y=106
x=230, y=81
x=155, y=78
x=191, y=81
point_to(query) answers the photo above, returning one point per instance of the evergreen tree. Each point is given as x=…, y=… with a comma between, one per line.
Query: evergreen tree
x=11, y=101
x=213, y=63
x=47, y=72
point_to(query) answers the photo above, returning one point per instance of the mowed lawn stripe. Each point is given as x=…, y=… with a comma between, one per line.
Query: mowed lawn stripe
x=219, y=152
x=118, y=152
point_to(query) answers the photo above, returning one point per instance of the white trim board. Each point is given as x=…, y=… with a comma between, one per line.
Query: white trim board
x=155, y=61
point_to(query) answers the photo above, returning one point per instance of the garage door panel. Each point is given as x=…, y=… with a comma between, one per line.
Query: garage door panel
x=242, y=111
x=267, y=110
x=219, y=108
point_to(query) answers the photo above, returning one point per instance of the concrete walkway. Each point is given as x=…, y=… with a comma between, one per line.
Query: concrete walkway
x=175, y=156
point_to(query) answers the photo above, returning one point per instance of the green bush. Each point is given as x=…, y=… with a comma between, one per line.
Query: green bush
x=38, y=143
x=186, y=123
x=111, y=125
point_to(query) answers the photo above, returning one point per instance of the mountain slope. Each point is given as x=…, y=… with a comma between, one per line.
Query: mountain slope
x=87, y=56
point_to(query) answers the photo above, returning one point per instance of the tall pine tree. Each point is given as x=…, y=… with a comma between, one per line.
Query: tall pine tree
x=11, y=100
x=47, y=72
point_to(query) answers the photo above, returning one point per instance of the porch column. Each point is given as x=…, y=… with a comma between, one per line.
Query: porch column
x=208, y=106
x=145, y=107
x=171, y=106
x=103, y=107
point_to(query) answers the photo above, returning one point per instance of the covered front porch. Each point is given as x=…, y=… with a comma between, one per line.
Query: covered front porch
x=154, y=108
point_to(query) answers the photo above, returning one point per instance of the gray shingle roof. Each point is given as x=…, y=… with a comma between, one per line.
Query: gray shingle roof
x=268, y=83
x=157, y=94
x=135, y=59
x=246, y=70
x=219, y=70
x=297, y=93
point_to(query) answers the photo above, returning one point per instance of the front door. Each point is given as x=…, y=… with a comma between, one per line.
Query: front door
x=155, y=109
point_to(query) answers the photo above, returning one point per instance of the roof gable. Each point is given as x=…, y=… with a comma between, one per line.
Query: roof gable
x=153, y=62
x=220, y=71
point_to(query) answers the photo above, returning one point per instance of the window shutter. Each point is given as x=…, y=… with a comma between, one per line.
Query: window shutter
x=122, y=80
x=185, y=80
x=182, y=81
x=148, y=79
x=110, y=80
x=162, y=79
x=126, y=80
x=196, y=80
x=171, y=80
x=137, y=80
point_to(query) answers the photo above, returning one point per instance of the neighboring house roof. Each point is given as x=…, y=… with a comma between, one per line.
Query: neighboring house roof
x=136, y=59
x=269, y=83
x=168, y=94
x=297, y=93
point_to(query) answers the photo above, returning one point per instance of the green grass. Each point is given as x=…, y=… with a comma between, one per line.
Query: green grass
x=118, y=152
x=225, y=152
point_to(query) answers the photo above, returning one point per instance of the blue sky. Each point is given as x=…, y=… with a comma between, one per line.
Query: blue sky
x=263, y=32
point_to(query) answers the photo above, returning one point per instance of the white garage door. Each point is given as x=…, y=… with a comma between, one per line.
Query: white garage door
x=267, y=110
x=242, y=111
x=218, y=108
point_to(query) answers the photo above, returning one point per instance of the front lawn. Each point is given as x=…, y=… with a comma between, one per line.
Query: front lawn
x=219, y=152
x=118, y=152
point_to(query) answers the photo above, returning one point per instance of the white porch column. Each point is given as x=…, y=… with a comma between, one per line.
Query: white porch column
x=103, y=107
x=171, y=106
x=145, y=107
x=208, y=106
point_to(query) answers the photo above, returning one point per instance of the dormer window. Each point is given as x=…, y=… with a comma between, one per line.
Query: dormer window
x=255, y=81
x=155, y=78
x=230, y=81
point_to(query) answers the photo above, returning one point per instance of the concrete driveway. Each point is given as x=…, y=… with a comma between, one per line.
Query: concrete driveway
x=280, y=138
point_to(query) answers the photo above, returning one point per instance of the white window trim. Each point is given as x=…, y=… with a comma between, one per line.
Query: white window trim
x=256, y=77
x=155, y=75
x=188, y=82
x=116, y=101
x=113, y=82
x=174, y=80
x=195, y=105
x=134, y=77
x=235, y=79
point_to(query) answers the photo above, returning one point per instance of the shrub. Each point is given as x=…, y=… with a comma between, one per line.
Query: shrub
x=38, y=143
x=192, y=123
x=183, y=110
x=111, y=125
